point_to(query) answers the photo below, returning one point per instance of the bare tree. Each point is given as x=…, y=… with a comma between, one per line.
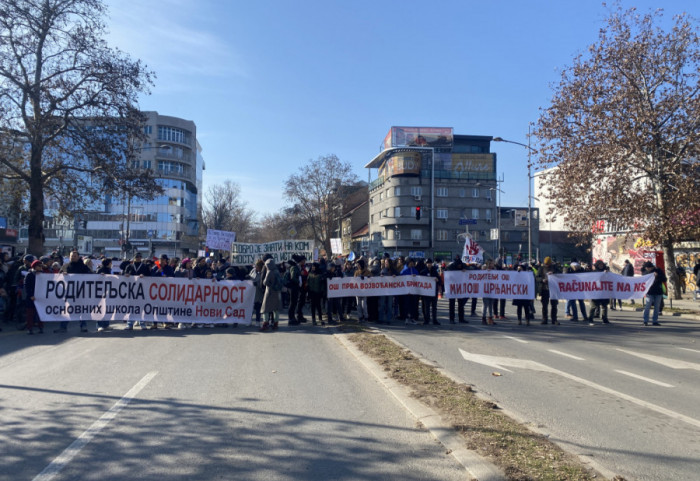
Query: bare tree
x=317, y=194
x=69, y=125
x=281, y=225
x=624, y=131
x=225, y=210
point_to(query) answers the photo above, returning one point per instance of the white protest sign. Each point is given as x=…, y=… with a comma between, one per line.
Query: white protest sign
x=490, y=284
x=246, y=254
x=97, y=297
x=381, y=286
x=598, y=285
x=220, y=239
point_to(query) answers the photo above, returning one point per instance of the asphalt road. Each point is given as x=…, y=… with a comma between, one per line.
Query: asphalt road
x=623, y=396
x=203, y=404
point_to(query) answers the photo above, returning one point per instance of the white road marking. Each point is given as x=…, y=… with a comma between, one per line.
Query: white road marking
x=516, y=339
x=664, y=361
x=500, y=362
x=691, y=350
x=566, y=355
x=71, y=451
x=637, y=376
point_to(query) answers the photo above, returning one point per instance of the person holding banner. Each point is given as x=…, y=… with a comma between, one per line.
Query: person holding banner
x=386, y=303
x=362, y=271
x=140, y=269
x=272, y=302
x=457, y=265
x=410, y=300
x=655, y=294
x=599, y=304
x=430, y=302
x=74, y=266
x=574, y=268
x=334, y=305
x=488, y=302
x=524, y=304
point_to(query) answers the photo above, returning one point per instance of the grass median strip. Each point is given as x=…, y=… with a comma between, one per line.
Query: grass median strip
x=522, y=454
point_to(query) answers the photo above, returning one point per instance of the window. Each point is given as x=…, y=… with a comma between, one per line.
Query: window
x=416, y=190
x=442, y=234
x=416, y=234
x=475, y=213
x=371, y=218
x=462, y=192
x=388, y=193
x=397, y=191
x=386, y=213
x=505, y=236
x=487, y=214
x=475, y=193
x=134, y=164
x=488, y=194
x=146, y=164
x=397, y=211
x=148, y=129
x=172, y=134
x=475, y=235
x=381, y=196
x=441, y=214
x=397, y=234
x=441, y=191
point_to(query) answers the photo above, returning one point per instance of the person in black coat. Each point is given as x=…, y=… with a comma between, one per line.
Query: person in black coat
x=655, y=295
x=74, y=266
x=30, y=308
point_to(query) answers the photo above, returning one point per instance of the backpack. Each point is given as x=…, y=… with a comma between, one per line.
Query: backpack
x=277, y=284
x=291, y=281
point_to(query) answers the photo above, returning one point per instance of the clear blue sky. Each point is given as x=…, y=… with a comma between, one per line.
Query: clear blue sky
x=272, y=84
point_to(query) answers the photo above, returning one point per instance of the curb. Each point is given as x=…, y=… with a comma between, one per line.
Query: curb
x=478, y=467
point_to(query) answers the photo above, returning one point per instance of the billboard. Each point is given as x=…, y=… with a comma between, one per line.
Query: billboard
x=419, y=137
x=401, y=163
x=472, y=163
x=520, y=217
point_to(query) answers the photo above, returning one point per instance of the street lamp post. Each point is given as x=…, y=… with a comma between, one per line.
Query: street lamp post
x=530, y=150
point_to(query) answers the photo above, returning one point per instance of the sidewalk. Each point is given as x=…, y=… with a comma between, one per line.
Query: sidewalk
x=690, y=308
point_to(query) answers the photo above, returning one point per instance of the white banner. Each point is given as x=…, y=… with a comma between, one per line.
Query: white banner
x=598, y=285
x=95, y=297
x=491, y=284
x=472, y=253
x=220, y=239
x=381, y=286
x=246, y=254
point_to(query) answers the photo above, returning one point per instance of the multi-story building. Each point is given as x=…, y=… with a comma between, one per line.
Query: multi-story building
x=122, y=224
x=433, y=187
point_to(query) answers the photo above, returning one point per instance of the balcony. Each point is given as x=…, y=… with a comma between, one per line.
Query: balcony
x=407, y=220
x=405, y=244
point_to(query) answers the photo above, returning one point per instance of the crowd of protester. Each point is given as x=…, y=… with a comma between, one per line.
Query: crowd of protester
x=298, y=287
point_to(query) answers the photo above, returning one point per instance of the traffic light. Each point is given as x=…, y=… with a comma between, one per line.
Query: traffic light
x=418, y=213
